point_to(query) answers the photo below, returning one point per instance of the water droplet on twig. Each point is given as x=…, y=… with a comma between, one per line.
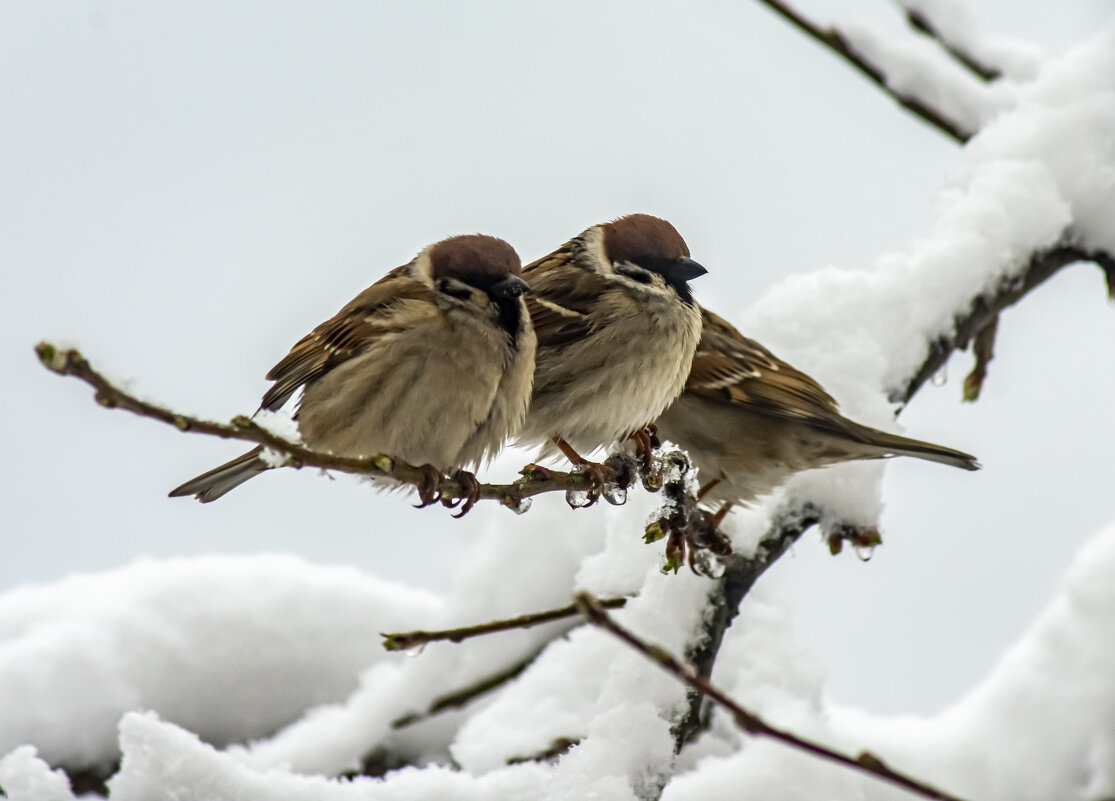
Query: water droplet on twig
x=578, y=499
x=615, y=495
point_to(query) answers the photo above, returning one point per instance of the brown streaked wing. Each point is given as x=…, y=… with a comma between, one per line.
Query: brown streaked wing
x=339, y=337
x=733, y=369
x=555, y=325
x=562, y=298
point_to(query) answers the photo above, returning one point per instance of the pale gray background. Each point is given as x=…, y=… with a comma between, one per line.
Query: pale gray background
x=186, y=188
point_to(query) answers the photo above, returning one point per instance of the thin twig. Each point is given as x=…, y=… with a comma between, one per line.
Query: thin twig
x=68, y=362
x=401, y=641
x=923, y=25
x=463, y=696
x=558, y=747
x=836, y=41
x=748, y=721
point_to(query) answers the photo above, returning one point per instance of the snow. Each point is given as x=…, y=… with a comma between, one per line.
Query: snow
x=25, y=777
x=1017, y=59
x=1019, y=189
x=508, y=573
x=164, y=759
x=230, y=647
x=1039, y=726
x=914, y=68
x=238, y=677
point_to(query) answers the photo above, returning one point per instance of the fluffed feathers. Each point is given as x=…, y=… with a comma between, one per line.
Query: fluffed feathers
x=749, y=420
x=432, y=364
x=616, y=328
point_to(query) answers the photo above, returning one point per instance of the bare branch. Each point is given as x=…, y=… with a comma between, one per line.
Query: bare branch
x=463, y=696
x=748, y=721
x=534, y=481
x=922, y=24
x=834, y=40
x=402, y=641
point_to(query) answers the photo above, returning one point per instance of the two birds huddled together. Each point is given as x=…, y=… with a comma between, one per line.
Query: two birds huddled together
x=447, y=357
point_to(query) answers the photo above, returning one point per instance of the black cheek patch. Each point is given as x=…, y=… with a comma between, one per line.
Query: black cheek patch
x=509, y=310
x=509, y=314
x=662, y=266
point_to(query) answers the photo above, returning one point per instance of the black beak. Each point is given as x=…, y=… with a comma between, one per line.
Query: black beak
x=683, y=270
x=510, y=287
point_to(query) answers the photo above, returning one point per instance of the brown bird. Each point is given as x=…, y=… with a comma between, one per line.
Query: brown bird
x=749, y=421
x=616, y=326
x=432, y=364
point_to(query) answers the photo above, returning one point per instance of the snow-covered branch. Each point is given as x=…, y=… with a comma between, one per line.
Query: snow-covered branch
x=985, y=255
x=270, y=682
x=985, y=310
x=839, y=43
x=921, y=22
x=746, y=720
x=742, y=571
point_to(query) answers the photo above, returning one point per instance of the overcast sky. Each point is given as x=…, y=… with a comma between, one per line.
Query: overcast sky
x=186, y=189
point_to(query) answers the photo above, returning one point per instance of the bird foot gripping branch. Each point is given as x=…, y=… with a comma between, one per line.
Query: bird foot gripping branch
x=429, y=488
x=610, y=480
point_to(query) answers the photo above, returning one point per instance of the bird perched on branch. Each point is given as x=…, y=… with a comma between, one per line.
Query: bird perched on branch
x=617, y=326
x=432, y=364
x=749, y=421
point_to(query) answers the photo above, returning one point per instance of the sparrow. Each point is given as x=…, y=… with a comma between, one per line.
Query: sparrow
x=749, y=420
x=432, y=364
x=617, y=327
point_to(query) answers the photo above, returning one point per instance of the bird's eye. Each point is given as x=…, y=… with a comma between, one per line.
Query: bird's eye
x=454, y=288
x=634, y=273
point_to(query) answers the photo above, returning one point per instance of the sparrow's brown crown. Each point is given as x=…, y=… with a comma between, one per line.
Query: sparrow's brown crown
x=639, y=237
x=471, y=255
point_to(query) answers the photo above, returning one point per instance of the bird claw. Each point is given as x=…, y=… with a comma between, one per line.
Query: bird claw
x=646, y=440
x=599, y=475
x=471, y=493
x=429, y=487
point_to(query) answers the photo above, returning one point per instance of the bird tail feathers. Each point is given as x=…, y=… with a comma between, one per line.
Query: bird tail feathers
x=212, y=485
x=896, y=445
